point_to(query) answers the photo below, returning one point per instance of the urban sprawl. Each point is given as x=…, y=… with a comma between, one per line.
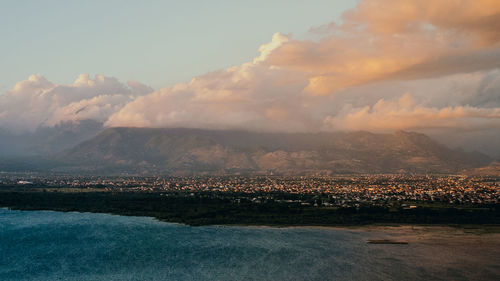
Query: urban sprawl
x=341, y=191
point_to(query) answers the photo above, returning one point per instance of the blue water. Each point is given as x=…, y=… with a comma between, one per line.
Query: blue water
x=45, y=245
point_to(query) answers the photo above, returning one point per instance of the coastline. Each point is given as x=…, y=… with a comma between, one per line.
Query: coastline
x=479, y=237
x=472, y=229
x=224, y=209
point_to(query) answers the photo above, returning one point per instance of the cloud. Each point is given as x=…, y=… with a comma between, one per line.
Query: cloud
x=309, y=85
x=406, y=113
x=476, y=18
x=266, y=49
x=408, y=39
x=38, y=102
x=446, y=53
x=250, y=96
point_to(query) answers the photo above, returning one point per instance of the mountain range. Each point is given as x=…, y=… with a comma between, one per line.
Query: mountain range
x=86, y=147
x=182, y=151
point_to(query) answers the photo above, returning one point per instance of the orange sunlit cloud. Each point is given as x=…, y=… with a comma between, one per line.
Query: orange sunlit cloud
x=308, y=85
x=383, y=39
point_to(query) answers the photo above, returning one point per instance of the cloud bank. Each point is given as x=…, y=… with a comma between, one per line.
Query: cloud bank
x=409, y=39
x=389, y=65
x=38, y=102
x=405, y=113
x=301, y=85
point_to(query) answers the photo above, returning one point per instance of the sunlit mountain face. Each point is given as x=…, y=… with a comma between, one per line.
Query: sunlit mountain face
x=190, y=151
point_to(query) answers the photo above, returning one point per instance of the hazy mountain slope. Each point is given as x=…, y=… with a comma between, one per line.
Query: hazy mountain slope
x=186, y=151
x=491, y=170
x=47, y=140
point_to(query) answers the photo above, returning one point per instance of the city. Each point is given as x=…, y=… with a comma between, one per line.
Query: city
x=339, y=191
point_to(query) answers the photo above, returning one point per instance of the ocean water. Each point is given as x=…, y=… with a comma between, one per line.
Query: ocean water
x=46, y=245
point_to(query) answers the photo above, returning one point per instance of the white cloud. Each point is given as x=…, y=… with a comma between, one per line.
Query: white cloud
x=38, y=102
x=251, y=96
x=406, y=114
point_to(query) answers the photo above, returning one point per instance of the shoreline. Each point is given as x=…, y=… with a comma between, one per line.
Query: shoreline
x=392, y=235
x=224, y=209
x=474, y=229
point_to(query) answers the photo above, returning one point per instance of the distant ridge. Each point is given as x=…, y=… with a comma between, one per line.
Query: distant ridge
x=182, y=151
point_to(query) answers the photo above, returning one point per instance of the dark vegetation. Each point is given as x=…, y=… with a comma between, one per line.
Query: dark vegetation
x=234, y=208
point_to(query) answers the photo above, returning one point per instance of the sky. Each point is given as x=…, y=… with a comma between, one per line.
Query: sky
x=304, y=66
x=156, y=42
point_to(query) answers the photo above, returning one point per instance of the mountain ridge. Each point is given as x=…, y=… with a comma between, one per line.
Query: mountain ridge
x=198, y=151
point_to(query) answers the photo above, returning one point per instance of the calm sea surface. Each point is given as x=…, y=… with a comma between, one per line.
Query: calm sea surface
x=45, y=245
